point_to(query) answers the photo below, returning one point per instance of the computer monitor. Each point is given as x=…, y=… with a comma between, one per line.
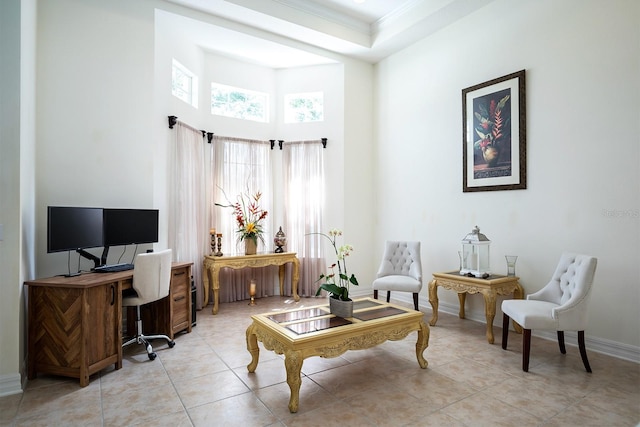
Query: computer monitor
x=73, y=228
x=130, y=226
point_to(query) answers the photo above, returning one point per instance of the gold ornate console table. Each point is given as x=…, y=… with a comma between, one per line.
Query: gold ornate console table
x=490, y=288
x=213, y=265
x=313, y=331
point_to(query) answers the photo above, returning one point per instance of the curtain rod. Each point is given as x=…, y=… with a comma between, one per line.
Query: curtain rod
x=174, y=119
x=281, y=141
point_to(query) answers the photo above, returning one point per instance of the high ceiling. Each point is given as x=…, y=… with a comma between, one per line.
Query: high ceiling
x=289, y=33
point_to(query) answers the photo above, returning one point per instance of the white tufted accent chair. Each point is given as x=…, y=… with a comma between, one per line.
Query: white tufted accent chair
x=560, y=306
x=400, y=270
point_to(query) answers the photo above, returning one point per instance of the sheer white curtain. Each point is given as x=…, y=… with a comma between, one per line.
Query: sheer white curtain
x=304, y=194
x=241, y=166
x=188, y=213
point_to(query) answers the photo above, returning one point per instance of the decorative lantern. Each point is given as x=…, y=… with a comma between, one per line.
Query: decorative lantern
x=475, y=254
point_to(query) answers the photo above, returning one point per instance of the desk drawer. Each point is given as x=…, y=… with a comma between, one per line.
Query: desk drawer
x=180, y=282
x=181, y=299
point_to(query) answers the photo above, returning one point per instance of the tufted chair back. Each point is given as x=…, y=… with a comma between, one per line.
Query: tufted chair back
x=401, y=259
x=561, y=305
x=569, y=288
x=400, y=270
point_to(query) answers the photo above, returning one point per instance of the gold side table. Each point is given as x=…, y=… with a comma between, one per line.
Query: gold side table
x=490, y=288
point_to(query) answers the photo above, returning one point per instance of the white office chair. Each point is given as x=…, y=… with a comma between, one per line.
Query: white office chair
x=560, y=306
x=400, y=270
x=151, y=279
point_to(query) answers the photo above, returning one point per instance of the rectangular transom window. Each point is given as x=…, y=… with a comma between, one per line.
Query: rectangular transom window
x=239, y=103
x=184, y=84
x=304, y=107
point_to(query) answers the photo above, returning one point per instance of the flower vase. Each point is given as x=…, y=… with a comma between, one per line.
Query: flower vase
x=491, y=155
x=341, y=308
x=250, y=246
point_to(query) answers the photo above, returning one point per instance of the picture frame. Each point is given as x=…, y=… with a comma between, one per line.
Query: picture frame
x=494, y=146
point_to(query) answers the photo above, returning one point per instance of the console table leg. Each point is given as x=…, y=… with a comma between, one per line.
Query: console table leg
x=490, y=312
x=433, y=300
x=518, y=293
x=462, y=298
x=281, y=278
x=295, y=279
x=205, y=286
x=293, y=364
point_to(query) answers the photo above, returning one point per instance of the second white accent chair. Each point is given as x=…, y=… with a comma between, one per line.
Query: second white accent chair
x=400, y=270
x=561, y=305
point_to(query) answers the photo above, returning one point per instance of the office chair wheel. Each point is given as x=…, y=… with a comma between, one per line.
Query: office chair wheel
x=152, y=356
x=171, y=344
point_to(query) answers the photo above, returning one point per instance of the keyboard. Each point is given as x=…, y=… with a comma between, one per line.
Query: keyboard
x=113, y=268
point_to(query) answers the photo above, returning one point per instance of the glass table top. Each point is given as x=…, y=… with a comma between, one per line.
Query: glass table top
x=315, y=319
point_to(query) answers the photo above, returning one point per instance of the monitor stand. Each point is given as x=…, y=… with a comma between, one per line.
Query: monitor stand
x=96, y=261
x=89, y=256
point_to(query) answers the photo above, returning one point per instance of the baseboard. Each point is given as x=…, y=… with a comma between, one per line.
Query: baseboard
x=10, y=384
x=598, y=345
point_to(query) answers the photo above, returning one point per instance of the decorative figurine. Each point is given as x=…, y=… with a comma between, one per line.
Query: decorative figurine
x=280, y=240
x=219, y=253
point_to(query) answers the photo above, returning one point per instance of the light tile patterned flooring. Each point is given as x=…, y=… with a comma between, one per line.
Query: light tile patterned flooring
x=203, y=381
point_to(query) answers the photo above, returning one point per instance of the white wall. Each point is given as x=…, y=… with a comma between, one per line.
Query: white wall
x=95, y=122
x=582, y=62
x=17, y=139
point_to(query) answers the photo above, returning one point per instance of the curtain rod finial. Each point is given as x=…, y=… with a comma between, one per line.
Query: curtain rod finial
x=209, y=137
x=324, y=142
x=172, y=121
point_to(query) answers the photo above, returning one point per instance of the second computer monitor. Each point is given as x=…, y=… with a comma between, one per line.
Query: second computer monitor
x=130, y=226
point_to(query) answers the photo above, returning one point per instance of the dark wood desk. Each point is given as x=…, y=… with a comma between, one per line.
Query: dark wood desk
x=75, y=323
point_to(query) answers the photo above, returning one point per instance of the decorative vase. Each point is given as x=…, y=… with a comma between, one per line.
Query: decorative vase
x=491, y=155
x=341, y=308
x=280, y=240
x=250, y=246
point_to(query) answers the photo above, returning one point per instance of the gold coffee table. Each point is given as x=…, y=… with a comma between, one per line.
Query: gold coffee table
x=490, y=288
x=313, y=331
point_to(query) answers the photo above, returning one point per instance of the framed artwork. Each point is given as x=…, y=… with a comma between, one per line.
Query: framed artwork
x=494, y=146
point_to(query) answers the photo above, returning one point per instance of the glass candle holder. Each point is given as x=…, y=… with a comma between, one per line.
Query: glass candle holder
x=511, y=264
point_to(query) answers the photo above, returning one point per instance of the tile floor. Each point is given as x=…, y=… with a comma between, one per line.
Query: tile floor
x=203, y=381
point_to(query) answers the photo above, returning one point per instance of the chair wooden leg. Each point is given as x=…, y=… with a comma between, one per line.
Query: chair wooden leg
x=505, y=331
x=526, y=348
x=415, y=301
x=563, y=350
x=388, y=296
x=583, y=351
x=375, y=294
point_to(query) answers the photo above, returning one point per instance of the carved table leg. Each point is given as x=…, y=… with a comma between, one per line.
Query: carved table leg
x=205, y=285
x=462, y=298
x=422, y=344
x=490, y=312
x=295, y=278
x=252, y=347
x=215, y=279
x=433, y=299
x=281, y=278
x=293, y=364
x=518, y=293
